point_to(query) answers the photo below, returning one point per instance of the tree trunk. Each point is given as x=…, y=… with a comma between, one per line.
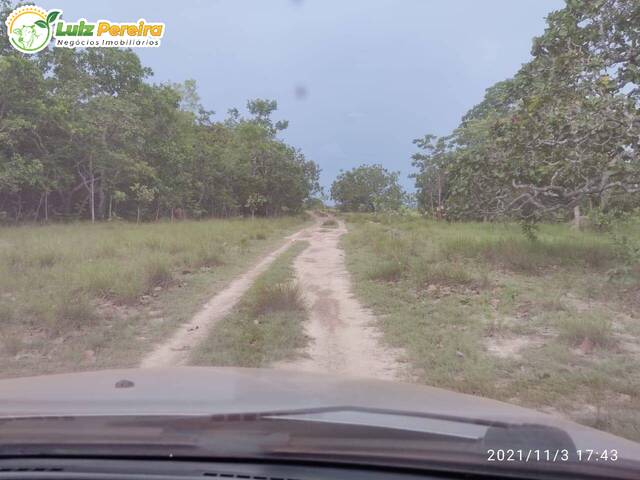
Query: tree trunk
x=92, y=192
x=46, y=206
x=36, y=214
x=577, y=218
x=138, y=216
x=19, y=209
x=102, y=205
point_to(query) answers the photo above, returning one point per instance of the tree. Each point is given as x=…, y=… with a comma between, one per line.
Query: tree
x=367, y=188
x=82, y=132
x=431, y=181
x=254, y=202
x=143, y=196
x=564, y=132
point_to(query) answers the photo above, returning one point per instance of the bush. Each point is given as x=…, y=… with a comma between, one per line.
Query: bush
x=279, y=297
x=601, y=221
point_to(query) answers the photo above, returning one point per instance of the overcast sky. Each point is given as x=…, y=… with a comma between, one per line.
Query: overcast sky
x=357, y=79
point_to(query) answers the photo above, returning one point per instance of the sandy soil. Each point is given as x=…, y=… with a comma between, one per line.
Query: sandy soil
x=344, y=339
x=175, y=351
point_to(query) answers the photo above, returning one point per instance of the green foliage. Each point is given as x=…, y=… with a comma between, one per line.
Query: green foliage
x=624, y=234
x=368, y=188
x=563, y=132
x=529, y=229
x=83, y=134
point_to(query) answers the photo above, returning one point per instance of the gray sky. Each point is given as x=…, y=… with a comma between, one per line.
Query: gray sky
x=374, y=74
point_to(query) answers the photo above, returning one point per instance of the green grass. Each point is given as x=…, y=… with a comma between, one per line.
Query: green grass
x=83, y=296
x=480, y=309
x=266, y=326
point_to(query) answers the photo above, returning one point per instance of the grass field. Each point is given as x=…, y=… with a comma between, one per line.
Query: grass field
x=76, y=297
x=551, y=324
x=266, y=326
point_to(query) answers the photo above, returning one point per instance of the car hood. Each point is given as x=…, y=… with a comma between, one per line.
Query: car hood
x=219, y=391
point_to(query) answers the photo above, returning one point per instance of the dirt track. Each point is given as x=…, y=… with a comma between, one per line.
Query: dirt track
x=344, y=339
x=175, y=351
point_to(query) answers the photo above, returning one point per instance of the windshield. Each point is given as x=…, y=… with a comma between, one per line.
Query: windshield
x=429, y=193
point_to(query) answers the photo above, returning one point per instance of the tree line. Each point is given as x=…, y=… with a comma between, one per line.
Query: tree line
x=563, y=133
x=84, y=134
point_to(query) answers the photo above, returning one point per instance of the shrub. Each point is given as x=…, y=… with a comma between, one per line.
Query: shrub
x=279, y=297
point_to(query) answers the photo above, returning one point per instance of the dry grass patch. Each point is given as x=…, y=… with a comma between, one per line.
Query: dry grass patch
x=279, y=297
x=68, y=286
x=588, y=328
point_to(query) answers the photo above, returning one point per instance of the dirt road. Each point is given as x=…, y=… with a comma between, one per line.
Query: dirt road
x=344, y=339
x=175, y=351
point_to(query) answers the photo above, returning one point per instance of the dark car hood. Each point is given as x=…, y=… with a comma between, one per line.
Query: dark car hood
x=215, y=391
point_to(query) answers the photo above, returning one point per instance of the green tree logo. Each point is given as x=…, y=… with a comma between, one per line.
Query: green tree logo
x=30, y=28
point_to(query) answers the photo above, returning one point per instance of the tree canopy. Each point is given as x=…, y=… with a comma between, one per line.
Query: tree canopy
x=367, y=188
x=85, y=134
x=563, y=132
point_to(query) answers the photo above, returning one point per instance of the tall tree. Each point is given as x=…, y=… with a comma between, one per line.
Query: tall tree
x=564, y=132
x=368, y=188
